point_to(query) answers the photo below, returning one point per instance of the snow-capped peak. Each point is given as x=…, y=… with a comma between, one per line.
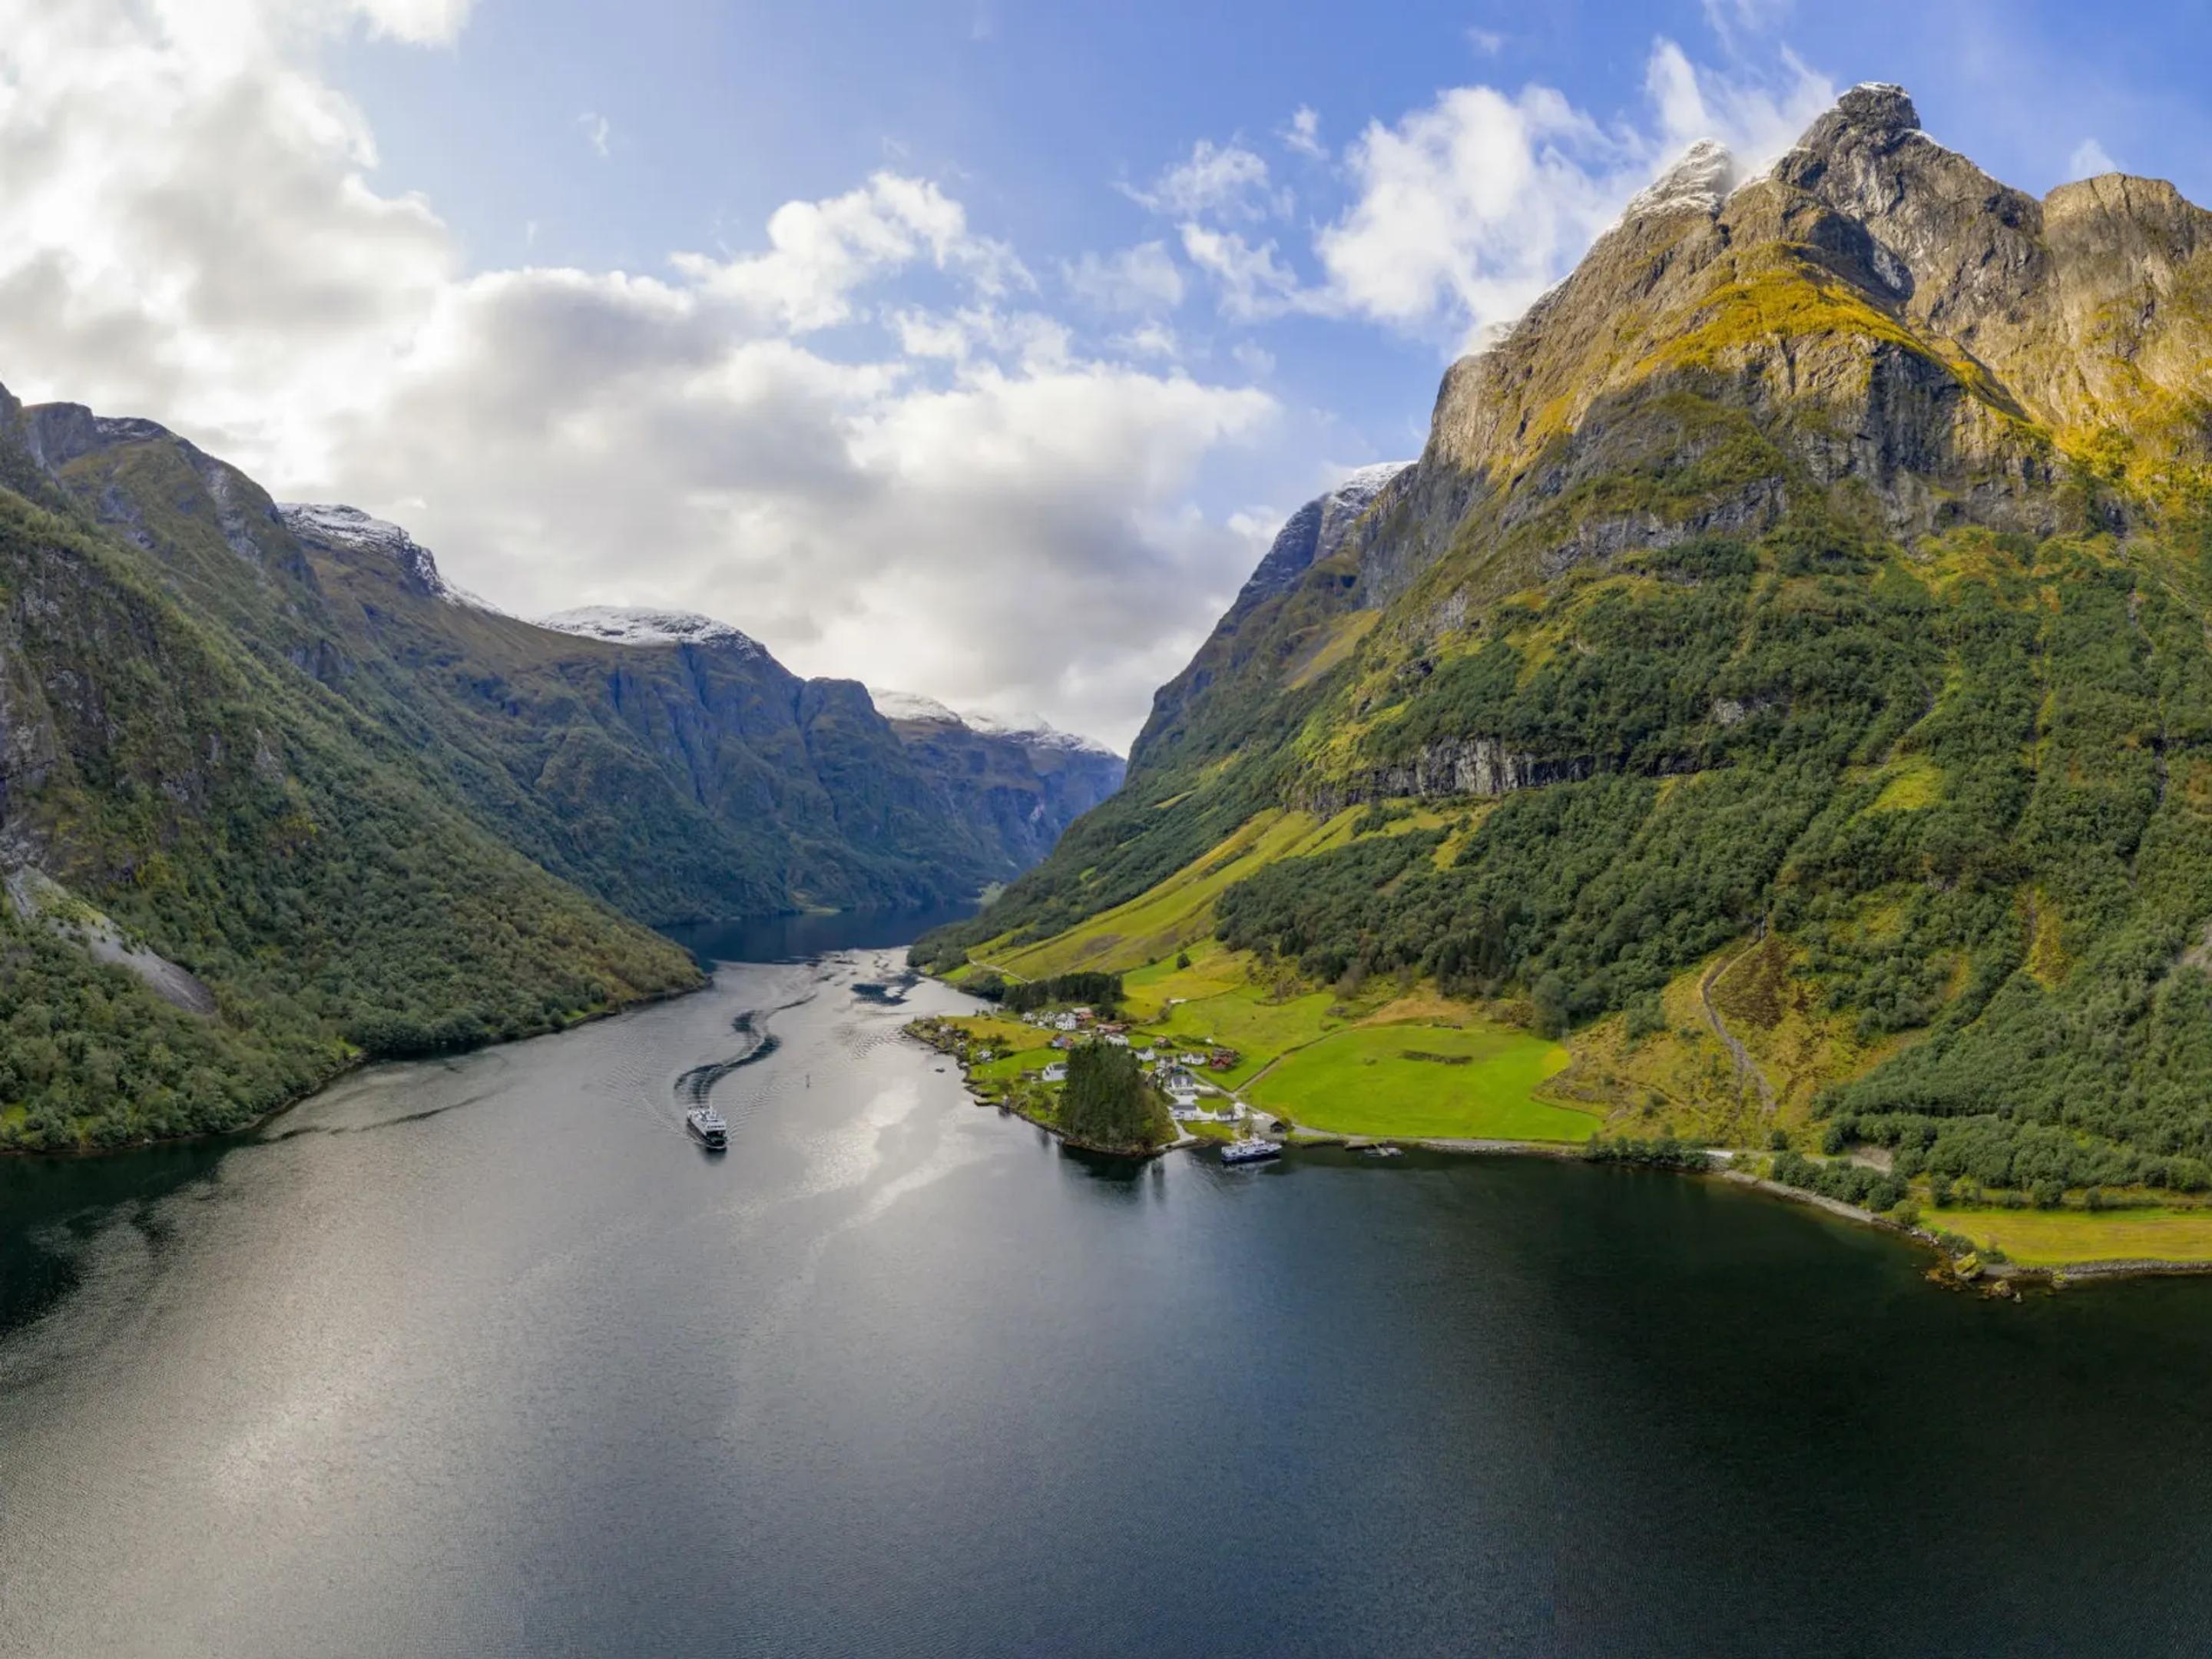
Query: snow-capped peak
x=1031, y=729
x=339, y=526
x=1700, y=180
x=635, y=624
x=910, y=705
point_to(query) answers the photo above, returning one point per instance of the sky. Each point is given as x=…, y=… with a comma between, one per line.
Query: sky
x=975, y=347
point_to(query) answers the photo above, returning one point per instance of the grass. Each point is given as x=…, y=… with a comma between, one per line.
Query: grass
x=1913, y=783
x=1364, y=1081
x=1159, y=921
x=2050, y=1238
x=1247, y=1021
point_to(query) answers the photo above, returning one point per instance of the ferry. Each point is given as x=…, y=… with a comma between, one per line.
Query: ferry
x=1250, y=1151
x=708, y=1128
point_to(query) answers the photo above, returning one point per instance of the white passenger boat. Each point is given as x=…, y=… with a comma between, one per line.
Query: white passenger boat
x=706, y=1128
x=1250, y=1151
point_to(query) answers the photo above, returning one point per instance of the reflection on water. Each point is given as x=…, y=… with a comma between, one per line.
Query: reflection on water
x=522, y=1372
x=792, y=939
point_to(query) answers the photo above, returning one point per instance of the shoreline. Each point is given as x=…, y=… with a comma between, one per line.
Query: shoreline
x=358, y=1063
x=1994, y=1279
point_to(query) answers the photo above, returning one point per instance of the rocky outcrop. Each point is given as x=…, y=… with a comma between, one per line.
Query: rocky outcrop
x=1454, y=767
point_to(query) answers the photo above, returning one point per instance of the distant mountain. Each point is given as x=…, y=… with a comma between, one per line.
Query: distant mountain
x=268, y=761
x=1785, y=675
x=1023, y=779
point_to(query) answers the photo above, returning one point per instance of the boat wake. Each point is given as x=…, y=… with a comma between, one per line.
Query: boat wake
x=693, y=1087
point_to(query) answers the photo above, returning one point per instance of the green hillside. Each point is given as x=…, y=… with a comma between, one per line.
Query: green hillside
x=239, y=822
x=1784, y=679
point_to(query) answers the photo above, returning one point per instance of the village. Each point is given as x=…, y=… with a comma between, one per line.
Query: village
x=1009, y=1058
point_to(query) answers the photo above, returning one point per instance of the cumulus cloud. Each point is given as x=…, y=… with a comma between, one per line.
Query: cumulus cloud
x=1251, y=280
x=1467, y=209
x=1139, y=280
x=1303, y=133
x=1224, y=180
x=960, y=498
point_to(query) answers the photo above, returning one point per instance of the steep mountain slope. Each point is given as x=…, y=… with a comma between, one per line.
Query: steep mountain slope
x=1021, y=784
x=221, y=885
x=1802, y=611
x=667, y=763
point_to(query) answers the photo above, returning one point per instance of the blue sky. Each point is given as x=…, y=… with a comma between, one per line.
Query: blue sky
x=971, y=346
x=1032, y=113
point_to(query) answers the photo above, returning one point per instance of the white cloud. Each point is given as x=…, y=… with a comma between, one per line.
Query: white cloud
x=1470, y=207
x=1732, y=19
x=2088, y=159
x=1222, y=180
x=1137, y=280
x=598, y=132
x=1252, y=281
x=821, y=253
x=1488, y=42
x=1303, y=133
x=962, y=499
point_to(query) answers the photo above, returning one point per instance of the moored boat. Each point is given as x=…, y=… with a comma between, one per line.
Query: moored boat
x=1250, y=1151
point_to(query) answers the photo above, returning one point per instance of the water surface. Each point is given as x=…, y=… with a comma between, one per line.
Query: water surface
x=484, y=1357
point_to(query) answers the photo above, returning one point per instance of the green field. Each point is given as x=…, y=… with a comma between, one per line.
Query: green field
x=1360, y=1082
x=2047, y=1239
x=1244, y=1020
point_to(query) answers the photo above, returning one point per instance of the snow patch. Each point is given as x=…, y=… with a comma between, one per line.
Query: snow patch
x=1032, y=729
x=911, y=706
x=633, y=624
x=339, y=525
x=1363, y=484
x=1699, y=181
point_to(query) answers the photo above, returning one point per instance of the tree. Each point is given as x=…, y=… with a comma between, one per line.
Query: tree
x=1106, y=1102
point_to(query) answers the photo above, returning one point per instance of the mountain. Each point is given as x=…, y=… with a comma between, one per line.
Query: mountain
x=222, y=885
x=1021, y=781
x=1783, y=675
x=274, y=794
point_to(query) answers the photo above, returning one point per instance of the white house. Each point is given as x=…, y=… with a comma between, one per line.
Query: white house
x=1055, y=1072
x=1117, y=1039
x=1148, y=1055
x=1065, y=1022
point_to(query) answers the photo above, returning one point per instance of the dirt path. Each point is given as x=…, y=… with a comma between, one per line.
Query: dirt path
x=1746, y=1069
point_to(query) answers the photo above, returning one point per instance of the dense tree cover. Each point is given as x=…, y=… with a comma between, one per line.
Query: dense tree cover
x=1665, y=1152
x=1851, y=1183
x=1106, y=1102
x=1096, y=990
x=232, y=817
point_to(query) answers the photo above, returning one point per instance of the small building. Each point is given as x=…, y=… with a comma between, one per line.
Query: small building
x=1148, y=1055
x=1184, y=1096
x=1060, y=1042
x=1222, y=1060
x=1117, y=1039
x=1065, y=1022
x=1056, y=1072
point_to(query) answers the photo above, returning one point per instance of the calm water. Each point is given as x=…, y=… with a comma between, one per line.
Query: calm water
x=484, y=1357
